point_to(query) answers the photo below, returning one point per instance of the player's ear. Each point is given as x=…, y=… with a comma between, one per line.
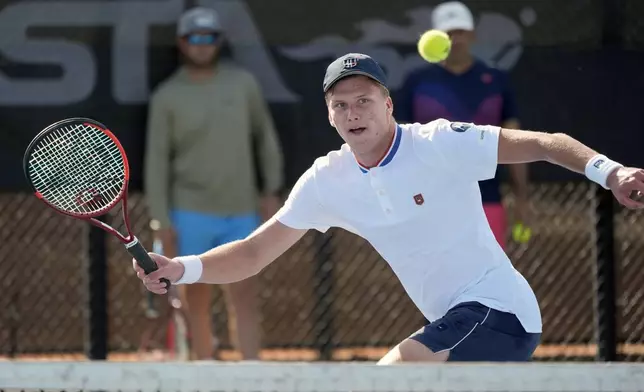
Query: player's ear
x=390, y=105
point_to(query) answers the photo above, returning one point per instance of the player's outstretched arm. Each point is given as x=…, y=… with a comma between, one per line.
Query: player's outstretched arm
x=517, y=146
x=228, y=263
x=242, y=259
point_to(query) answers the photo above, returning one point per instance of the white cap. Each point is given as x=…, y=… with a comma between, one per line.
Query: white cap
x=452, y=15
x=198, y=19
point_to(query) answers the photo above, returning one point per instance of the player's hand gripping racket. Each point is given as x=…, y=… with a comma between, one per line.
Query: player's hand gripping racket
x=79, y=168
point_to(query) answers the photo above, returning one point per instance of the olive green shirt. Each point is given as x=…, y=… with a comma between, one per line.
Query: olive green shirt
x=199, y=149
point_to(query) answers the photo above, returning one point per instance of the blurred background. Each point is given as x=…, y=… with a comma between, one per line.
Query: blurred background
x=68, y=291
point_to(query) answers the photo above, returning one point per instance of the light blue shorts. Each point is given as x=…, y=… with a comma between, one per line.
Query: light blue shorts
x=198, y=232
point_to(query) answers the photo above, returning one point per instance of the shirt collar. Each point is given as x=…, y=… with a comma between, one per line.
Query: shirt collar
x=389, y=155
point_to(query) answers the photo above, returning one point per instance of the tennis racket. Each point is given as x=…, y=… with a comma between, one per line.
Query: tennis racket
x=77, y=167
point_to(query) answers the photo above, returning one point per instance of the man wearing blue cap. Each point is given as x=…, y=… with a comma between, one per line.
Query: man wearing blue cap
x=412, y=191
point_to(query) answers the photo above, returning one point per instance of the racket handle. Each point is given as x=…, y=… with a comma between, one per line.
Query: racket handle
x=143, y=259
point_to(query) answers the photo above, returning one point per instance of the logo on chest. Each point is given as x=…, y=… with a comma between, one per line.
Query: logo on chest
x=419, y=199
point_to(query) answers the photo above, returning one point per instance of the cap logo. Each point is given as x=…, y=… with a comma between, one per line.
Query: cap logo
x=350, y=62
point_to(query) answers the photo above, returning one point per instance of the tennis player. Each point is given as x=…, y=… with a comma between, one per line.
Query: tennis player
x=412, y=191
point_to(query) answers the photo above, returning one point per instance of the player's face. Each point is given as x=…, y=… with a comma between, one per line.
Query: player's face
x=360, y=111
x=200, y=48
x=462, y=40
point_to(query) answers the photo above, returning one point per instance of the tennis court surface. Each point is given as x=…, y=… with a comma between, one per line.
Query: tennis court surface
x=318, y=377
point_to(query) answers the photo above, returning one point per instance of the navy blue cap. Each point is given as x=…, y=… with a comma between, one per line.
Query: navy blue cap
x=353, y=64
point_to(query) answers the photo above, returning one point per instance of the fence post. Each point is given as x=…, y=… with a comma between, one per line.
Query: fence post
x=606, y=296
x=97, y=322
x=323, y=281
x=605, y=301
x=14, y=317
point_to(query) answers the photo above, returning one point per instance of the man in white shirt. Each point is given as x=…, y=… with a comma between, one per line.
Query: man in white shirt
x=412, y=191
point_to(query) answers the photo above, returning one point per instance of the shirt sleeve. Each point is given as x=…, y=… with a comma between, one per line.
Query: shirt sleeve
x=470, y=150
x=303, y=209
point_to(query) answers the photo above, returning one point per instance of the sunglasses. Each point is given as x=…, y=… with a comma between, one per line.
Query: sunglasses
x=202, y=39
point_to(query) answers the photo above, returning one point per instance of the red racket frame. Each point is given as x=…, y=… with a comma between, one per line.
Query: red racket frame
x=132, y=244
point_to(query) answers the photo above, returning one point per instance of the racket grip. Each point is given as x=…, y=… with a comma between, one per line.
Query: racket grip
x=143, y=259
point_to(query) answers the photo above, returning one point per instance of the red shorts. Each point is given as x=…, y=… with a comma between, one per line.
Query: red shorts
x=496, y=218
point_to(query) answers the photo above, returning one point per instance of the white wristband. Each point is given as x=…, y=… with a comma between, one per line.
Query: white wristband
x=193, y=267
x=599, y=168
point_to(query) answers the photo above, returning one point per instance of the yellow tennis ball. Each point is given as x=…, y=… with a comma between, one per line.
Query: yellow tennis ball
x=521, y=234
x=434, y=46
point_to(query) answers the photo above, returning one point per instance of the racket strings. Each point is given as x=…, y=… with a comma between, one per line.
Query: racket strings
x=51, y=147
x=75, y=167
x=76, y=191
x=65, y=185
x=78, y=168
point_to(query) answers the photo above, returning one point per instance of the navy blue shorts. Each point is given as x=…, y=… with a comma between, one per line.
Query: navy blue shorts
x=474, y=332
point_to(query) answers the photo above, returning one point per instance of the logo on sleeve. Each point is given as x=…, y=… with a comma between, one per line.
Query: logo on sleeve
x=419, y=199
x=460, y=126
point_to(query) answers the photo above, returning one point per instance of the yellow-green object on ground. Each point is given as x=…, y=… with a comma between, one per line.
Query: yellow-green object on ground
x=521, y=233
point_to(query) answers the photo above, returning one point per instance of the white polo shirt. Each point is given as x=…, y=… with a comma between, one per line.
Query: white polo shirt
x=421, y=209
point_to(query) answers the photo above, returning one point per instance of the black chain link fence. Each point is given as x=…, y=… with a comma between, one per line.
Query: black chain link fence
x=42, y=278
x=629, y=232
x=330, y=292
x=558, y=262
